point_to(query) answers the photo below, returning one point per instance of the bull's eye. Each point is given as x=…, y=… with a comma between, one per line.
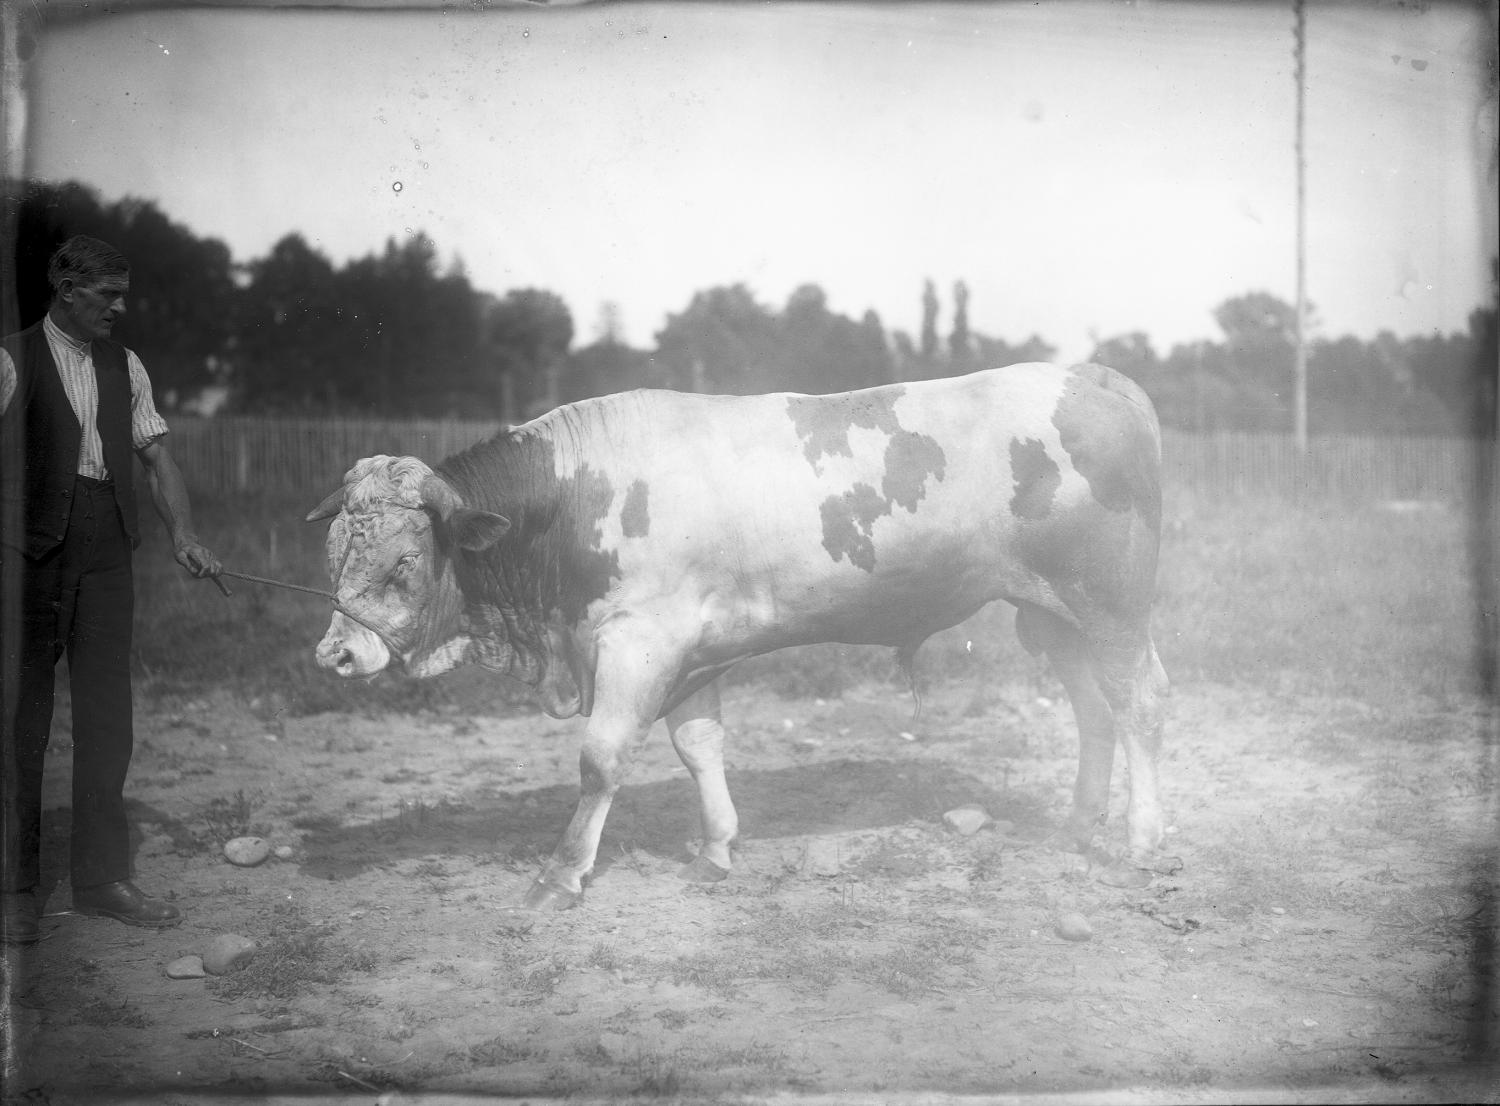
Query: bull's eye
x=407, y=562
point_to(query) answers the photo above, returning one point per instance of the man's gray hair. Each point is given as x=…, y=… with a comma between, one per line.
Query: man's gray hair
x=85, y=260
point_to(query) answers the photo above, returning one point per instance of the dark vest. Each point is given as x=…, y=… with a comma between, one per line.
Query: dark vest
x=42, y=437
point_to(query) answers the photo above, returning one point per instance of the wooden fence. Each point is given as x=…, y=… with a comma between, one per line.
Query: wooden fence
x=310, y=456
x=1347, y=468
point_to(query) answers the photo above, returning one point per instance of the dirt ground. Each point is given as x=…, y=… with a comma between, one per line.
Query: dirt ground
x=1324, y=939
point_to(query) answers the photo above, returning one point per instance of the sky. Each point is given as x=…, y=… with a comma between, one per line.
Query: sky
x=1086, y=169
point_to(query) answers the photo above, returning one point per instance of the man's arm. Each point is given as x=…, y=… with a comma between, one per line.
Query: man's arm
x=169, y=494
x=7, y=380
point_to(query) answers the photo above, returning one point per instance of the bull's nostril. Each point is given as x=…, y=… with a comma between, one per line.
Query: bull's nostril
x=334, y=654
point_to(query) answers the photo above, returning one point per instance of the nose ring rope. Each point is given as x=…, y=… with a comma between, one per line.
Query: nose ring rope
x=330, y=596
x=280, y=584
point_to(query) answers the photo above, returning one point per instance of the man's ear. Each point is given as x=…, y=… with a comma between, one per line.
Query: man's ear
x=476, y=530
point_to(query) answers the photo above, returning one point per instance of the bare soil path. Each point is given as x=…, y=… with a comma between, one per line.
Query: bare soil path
x=1325, y=938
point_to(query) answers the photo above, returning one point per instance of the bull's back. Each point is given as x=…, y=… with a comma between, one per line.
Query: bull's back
x=877, y=515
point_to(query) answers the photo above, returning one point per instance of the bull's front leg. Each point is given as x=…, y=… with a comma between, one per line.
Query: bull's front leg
x=629, y=692
x=698, y=735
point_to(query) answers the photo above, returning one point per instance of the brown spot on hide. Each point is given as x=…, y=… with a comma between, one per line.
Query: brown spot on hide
x=1036, y=478
x=848, y=520
x=1110, y=439
x=553, y=558
x=823, y=423
x=635, y=519
x=590, y=569
x=909, y=460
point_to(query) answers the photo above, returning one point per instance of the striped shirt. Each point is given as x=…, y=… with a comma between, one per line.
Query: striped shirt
x=75, y=367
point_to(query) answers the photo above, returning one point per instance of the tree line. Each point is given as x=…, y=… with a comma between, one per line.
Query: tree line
x=397, y=333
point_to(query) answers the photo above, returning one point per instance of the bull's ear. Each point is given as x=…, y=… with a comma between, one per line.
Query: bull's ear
x=470, y=528
x=477, y=530
x=328, y=508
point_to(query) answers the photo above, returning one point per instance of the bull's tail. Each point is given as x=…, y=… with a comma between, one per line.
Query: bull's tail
x=906, y=656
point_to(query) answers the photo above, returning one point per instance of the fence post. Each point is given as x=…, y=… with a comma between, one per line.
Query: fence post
x=242, y=463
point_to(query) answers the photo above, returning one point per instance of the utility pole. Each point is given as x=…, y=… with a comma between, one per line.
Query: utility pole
x=1300, y=357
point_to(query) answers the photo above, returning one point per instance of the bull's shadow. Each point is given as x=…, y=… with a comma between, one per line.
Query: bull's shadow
x=660, y=816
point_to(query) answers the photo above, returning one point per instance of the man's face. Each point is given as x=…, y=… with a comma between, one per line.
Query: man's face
x=90, y=309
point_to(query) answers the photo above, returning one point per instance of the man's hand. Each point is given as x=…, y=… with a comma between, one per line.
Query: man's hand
x=197, y=558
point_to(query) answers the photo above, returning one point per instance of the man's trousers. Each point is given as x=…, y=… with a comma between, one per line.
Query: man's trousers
x=77, y=600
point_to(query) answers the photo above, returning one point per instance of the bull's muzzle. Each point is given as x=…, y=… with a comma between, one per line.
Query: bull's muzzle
x=351, y=650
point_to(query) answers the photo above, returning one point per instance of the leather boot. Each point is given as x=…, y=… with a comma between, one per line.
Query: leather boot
x=124, y=902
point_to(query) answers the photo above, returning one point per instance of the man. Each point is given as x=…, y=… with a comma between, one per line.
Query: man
x=74, y=405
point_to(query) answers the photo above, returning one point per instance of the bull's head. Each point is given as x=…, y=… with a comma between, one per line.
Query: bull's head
x=397, y=529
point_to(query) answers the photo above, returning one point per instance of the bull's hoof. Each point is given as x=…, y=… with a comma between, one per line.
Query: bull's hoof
x=542, y=895
x=1069, y=840
x=1137, y=869
x=702, y=870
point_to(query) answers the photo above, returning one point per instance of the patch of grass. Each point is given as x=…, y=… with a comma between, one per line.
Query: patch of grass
x=656, y=1074
x=298, y=955
x=539, y=980
x=228, y=818
x=1317, y=599
x=909, y=970
x=754, y=1055
x=415, y=817
x=603, y=957
x=717, y=973
x=495, y=1052
x=987, y=862
x=1243, y=877
x=816, y=949
x=592, y=1053
x=816, y=968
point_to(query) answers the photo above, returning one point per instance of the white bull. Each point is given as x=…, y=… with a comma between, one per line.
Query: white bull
x=617, y=555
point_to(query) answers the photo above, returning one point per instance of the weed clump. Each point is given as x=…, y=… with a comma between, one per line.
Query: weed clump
x=298, y=955
x=228, y=818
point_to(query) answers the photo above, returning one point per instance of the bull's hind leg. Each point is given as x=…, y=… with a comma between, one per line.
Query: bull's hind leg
x=1117, y=686
x=1043, y=632
x=1136, y=685
x=698, y=735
